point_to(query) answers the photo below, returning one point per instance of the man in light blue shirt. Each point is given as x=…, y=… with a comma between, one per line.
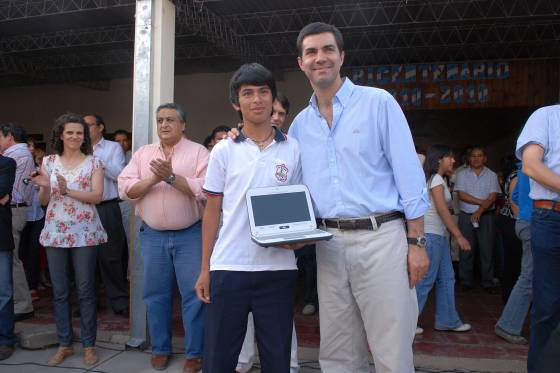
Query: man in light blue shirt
x=538, y=147
x=359, y=162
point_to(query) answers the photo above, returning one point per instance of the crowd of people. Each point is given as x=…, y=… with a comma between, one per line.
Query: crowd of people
x=398, y=225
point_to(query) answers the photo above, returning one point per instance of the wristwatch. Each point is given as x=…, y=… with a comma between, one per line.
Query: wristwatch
x=171, y=179
x=419, y=241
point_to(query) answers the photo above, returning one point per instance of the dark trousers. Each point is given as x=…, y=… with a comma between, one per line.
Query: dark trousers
x=545, y=314
x=307, y=263
x=7, y=336
x=481, y=238
x=269, y=295
x=109, y=259
x=512, y=254
x=29, y=251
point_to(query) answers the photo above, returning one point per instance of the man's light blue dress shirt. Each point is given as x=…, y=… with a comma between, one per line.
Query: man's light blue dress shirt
x=366, y=163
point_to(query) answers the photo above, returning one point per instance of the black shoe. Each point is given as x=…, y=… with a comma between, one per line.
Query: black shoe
x=6, y=351
x=23, y=316
x=125, y=312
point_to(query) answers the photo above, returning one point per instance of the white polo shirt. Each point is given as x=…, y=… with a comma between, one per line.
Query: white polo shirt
x=235, y=167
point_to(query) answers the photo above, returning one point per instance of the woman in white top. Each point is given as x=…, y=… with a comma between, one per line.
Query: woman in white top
x=439, y=165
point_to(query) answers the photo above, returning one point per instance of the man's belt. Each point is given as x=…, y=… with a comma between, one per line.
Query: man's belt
x=362, y=223
x=18, y=205
x=109, y=201
x=547, y=204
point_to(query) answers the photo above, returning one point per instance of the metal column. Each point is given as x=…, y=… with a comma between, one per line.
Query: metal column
x=154, y=57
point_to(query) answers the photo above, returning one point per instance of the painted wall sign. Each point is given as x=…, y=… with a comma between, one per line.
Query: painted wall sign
x=464, y=84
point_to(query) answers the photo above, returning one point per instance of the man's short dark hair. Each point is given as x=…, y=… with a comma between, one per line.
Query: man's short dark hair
x=99, y=121
x=219, y=129
x=476, y=147
x=181, y=113
x=19, y=134
x=283, y=100
x=122, y=132
x=250, y=74
x=319, y=28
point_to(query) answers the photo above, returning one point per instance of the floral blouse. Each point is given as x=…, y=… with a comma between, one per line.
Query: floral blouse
x=69, y=222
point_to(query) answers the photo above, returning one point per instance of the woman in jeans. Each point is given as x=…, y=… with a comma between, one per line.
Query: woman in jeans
x=438, y=165
x=71, y=182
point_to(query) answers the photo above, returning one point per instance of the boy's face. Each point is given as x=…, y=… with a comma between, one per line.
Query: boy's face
x=255, y=103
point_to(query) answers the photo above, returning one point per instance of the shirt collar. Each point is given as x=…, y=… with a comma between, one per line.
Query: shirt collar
x=100, y=143
x=342, y=95
x=15, y=147
x=278, y=136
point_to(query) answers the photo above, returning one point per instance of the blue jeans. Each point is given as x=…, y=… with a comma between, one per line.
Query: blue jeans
x=83, y=260
x=441, y=274
x=166, y=256
x=517, y=306
x=6, y=299
x=545, y=314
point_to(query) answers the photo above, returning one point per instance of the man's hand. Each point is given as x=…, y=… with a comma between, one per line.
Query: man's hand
x=4, y=199
x=463, y=244
x=487, y=203
x=40, y=178
x=418, y=264
x=161, y=168
x=476, y=215
x=233, y=133
x=294, y=246
x=202, y=286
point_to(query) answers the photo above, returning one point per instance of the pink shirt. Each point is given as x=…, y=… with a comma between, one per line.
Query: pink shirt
x=164, y=207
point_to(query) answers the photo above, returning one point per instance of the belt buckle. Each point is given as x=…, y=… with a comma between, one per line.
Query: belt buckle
x=374, y=225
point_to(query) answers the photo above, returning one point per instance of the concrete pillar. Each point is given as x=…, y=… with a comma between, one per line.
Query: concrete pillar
x=154, y=71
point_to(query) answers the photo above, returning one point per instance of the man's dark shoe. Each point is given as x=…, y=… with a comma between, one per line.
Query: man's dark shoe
x=193, y=365
x=23, y=316
x=6, y=351
x=159, y=362
x=125, y=312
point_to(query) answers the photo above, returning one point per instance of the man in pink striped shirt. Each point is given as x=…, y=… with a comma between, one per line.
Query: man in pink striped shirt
x=13, y=144
x=165, y=180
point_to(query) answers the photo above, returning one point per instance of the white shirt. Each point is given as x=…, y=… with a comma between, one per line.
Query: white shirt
x=234, y=168
x=432, y=221
x=111, y=155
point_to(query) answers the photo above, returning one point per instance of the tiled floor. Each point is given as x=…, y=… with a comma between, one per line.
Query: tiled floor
x=476, y=307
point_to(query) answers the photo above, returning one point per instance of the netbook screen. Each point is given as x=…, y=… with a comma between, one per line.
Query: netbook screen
x=279, y=208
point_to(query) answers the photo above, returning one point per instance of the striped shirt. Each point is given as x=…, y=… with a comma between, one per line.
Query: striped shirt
x=21, y=193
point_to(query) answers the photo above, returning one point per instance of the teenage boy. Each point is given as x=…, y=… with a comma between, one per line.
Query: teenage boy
x=238, y=276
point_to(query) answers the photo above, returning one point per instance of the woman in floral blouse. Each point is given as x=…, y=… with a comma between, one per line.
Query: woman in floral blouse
x=71, y=183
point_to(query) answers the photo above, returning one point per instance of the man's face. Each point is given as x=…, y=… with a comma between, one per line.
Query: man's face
x=122, y=139
x=5, y=141
x=95, y=130
x=169, y=126
x=477, y=159
x=320, y=59
x=278, y=114
x=255, y=103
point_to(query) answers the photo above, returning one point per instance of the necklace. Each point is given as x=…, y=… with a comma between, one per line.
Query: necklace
x=261, y=143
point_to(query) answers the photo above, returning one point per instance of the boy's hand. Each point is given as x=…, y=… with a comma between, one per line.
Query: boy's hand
x=202, y=286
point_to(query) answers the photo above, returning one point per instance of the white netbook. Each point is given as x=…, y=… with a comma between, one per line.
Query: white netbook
x=282, y=215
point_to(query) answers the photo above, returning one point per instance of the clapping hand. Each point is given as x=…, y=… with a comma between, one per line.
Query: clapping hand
x=40, y=178
x=161, y=168
x=62, y=185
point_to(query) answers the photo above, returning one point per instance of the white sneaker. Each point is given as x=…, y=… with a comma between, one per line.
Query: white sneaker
x=309, y=309
x=465, y=327
x=419, y=330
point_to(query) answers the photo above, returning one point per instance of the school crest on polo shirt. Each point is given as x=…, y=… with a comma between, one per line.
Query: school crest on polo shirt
x=281, y=172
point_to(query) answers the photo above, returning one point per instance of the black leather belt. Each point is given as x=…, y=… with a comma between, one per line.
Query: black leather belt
x=362, y=223
x=18, y=205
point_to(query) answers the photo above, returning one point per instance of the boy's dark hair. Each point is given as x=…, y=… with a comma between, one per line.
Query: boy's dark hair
x=19, y=134
x=60, y=123
x=319, y=28
x=252, y=74
x=283, y=100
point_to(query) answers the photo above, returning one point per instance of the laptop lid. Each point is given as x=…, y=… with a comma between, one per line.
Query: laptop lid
x=282, y=209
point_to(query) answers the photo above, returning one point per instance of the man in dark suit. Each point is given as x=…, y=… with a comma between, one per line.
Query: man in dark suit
x=7, y=338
